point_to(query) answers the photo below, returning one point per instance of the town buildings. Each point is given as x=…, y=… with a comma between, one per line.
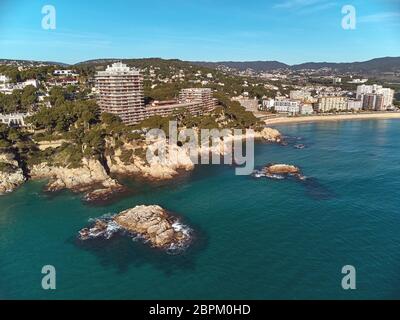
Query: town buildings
x=64, y=73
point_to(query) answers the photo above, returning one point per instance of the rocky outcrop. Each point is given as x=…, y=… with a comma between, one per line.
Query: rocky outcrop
x=11, y=175
x=282, y=169
x=279, y=171
x=178, y=159
x=152, y=223
x=91, y=177
x=155, y=170
x=271, y=135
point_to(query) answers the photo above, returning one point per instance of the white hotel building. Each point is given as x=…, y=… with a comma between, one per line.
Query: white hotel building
x=121, y=93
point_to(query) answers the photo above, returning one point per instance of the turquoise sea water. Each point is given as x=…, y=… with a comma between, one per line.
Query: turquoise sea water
x=255, y=238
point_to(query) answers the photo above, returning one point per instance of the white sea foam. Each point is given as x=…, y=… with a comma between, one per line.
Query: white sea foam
x=179, y=227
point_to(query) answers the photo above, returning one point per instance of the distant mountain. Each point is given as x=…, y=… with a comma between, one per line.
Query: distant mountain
x=374, y=66
x=379, y=65
x=31, y=62
x=242, y=66
x=387, y=64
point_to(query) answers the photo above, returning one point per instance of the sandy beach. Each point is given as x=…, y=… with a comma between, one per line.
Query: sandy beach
x=341, y=117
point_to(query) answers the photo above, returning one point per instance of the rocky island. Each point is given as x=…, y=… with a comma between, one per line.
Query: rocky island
x=279, y=171
x=152, y=223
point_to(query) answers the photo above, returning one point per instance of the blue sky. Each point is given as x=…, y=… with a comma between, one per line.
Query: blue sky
x=291, y=31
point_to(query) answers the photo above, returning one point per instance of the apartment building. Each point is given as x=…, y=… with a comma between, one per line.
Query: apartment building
x=203, y=95
x=355, y=105
x=249, y=104
x=386, y=93
x=267, y=104
x=287, y=106
x=300, y=95
x=331, y=103
x=306, y=109
x=166, y=108
x=120, y=92
x=372, y=101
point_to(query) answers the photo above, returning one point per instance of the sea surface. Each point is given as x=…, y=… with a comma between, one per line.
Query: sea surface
x=254, y=238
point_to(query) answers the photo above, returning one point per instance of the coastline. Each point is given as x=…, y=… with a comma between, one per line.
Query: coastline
x=93, y=178
x=341, y=117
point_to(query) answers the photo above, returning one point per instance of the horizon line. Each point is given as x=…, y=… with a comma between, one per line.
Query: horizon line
x=196, y=61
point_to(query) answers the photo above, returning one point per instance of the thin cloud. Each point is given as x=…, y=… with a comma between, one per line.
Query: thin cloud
x=318, y=8
x=296, y=4
x=379, y=17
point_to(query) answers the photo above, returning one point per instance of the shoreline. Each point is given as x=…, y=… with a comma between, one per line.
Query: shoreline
x=340, y=117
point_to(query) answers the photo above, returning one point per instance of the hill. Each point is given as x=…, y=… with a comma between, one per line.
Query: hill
x=378, y=65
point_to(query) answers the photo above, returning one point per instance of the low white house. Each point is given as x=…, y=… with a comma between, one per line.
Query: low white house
x=3, y=79
x=14, y=119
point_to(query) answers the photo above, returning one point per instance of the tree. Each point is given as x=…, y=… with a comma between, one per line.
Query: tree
x=28, y=97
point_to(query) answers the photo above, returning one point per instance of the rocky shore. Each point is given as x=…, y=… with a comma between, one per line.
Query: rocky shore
x=151, y=223
x=11, y=175
x=93, y=178
x=181, y=161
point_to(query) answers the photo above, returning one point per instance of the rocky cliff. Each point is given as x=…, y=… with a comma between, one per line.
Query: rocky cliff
x=11, y=175
x=170, y=166
x=91, y=177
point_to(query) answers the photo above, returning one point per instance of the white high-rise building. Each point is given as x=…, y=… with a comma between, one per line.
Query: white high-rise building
x=387, y=93
x=121, y=93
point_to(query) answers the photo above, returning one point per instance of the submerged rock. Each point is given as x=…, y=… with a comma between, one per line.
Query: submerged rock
x=152, y=223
